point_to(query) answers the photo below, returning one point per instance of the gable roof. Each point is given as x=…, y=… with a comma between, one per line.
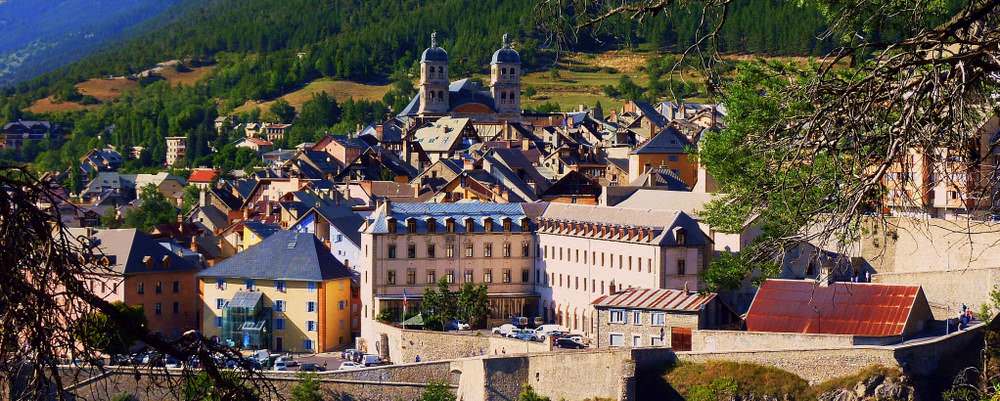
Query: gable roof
x=203, y=175
x=668, y=140
x=285, y=255
x=442, y=135
x=574, y=183
x=129, y=248
x=660, y=177
x=860, y=309
x=655, y=299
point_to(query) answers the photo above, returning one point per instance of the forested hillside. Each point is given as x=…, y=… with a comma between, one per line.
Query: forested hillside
x=265, y=48
x=41, y=35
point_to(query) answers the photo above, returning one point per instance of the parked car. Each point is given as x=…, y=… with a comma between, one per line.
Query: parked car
x=173, y=363
x=519, y=321
x=310, y=367
x=569, y=343
x=371, y=360
x=348, y=354
x=550, y=330
x=349, y=365
x=457, y=325
x=504, y=330
x=287, y=360
x=526, y=335
x=279, y=366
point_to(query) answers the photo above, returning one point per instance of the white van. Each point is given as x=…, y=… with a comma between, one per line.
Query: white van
x=371, y=360
x=545, y=331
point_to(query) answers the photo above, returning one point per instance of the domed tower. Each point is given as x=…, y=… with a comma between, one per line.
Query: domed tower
x=433, y=79
x=505, y=79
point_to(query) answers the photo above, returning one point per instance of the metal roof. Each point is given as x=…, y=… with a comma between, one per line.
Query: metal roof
x=656, y=299
x=860, y=309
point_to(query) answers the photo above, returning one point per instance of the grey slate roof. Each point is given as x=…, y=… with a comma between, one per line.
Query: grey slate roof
x=506, y=55
x=129, y=247
x=660, y=177
x=651, y=113
x=460, y=92
x=434, y=54
x=262, y=230
x=669, y=140
x=285, y=255
x=440, y=212
x=665, y=221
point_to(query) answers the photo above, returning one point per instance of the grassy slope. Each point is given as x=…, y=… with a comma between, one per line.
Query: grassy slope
x=109, y=89
x=340, y=90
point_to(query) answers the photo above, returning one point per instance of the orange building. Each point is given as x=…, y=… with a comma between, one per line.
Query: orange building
x=150, y=276
x=668, y=149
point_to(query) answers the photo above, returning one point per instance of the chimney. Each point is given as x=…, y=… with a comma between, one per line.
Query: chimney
x=378, y=132
x=468, y=164
x=202, y=198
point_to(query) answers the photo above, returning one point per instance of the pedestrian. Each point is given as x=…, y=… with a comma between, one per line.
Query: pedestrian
x=418, y=358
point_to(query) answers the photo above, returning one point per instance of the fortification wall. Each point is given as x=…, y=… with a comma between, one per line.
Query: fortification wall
x=947, y=290
x=405, y=345
x=730, y=340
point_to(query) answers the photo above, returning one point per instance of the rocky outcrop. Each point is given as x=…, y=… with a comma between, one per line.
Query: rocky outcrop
x=873, y=388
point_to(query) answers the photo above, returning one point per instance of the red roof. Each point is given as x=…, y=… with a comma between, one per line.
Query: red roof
x=203, y=175
x=657, y=299
x=860, y=309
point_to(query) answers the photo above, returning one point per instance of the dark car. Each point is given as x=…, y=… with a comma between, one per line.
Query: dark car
x=569, y=343
x=310, y=367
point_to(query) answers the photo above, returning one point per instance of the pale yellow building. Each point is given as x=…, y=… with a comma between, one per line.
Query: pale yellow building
x=287, y=294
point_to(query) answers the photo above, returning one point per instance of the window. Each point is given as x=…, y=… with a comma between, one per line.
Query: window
x=341, y=305
x=616, y=340
x=681, y=237
x=307, y=345
x=636, y=340
x=506, y=225
x=141, y=288
x=525, y=250
x=658, y=318
x=430, y=251
x=449, y=251
x=311, y=306
x=220, y=284
x=506, y=276
x=219, y=303
x=617, y=316
x=159, y=287
x=176, y=287
x=177, y=308
x=411, y=251
x=468, y=276
x=468, y=250
x=636, y=317
x=218, y=321
x=391, y=222
x=488, y=225
x=488, y=276
x=279, y=324
x=488, y=250
x=431, y=277
x=390, y=277
x=525, y=275
x=279, y=285
x=681, y=267
x=249, y=284
x=279, y=305
x=630, y=263
x=392, y=251
x=312, y=286
x=655, y=341
x=450, y=225
x=411, y=276
x=158, y=308
x=411, y=226
x=506, y=249
x=450, y=276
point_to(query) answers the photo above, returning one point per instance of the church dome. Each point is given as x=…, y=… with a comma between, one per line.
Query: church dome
x=434, y=53
x=506, y=54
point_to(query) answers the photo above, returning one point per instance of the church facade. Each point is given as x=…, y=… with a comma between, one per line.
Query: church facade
x=439, y=97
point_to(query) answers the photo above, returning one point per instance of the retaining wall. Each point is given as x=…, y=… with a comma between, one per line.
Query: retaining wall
x=405, y=345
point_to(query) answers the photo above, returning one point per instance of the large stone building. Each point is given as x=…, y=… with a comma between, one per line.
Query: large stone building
x=590, y=251
x=438, y=97
x=408, y=247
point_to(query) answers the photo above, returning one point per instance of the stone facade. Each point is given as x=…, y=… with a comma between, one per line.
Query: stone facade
x=729, y=340
x=638, y=329
x=403, y=346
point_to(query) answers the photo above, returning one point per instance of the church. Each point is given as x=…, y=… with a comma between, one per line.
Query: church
x=466, y=98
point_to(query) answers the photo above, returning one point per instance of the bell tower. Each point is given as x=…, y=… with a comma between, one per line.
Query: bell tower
x=505, y=79
x=433, y=80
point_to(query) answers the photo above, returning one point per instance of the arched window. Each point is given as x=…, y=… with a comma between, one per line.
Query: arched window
x=503, y=97
x=441, y=95
x=432, y=95
x=503, y=71
x=513, y=71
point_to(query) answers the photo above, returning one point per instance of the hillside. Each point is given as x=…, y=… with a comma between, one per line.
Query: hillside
x=263, y=50
x=71, y=29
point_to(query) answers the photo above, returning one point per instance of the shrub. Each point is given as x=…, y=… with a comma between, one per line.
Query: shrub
x=716, y=380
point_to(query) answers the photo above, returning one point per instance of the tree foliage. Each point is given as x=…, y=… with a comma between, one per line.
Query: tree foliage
x=154, y=210
x=307, y=388
x=99, y=332
x=437, y=391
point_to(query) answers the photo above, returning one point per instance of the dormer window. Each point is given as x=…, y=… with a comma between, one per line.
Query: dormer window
x=680, y=235
x=469, y=225
x=165, y=262
x=450, y=225
x=411, y=226
x=488, y=224
x=524, y=224
x=431, y=225
x=148, y=261
x=391, y=225
x=506, y=224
